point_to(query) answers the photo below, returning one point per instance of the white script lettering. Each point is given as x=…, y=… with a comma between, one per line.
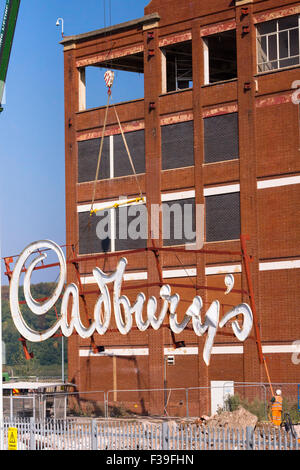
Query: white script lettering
x=124, y=311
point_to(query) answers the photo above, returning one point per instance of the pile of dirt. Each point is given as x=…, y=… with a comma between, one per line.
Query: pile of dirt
x=239, y=418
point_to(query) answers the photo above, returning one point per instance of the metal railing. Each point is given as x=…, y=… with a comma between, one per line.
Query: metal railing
x=141, y=435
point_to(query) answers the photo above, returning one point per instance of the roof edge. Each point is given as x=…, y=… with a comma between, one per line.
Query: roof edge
x=111, y=29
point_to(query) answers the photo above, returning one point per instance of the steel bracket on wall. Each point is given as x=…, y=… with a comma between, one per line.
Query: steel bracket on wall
x=245, y=30
x=245, y=11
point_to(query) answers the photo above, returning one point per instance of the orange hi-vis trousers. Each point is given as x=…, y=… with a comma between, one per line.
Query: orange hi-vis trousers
x=277, y=411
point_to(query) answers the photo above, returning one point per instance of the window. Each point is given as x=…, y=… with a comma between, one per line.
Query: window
x=177, y=67
x=114, y=158
x=221, y=139
x=113, y=229
x=88, y=152
x=131, y=227
x=177, y=142
x=179, y=222
x=89, y=242
x=222, y=217
x=128, y=81
x=136, y=144
x=220, y=60
x=126, y=227
x=278, y=43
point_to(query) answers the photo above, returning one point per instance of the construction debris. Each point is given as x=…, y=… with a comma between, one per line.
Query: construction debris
x=239, y=419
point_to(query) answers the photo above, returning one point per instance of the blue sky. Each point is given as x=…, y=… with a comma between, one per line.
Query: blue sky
x=32, y=123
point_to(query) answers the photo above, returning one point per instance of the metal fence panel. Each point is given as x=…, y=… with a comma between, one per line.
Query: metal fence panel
x=171, y=402
x=142, y=435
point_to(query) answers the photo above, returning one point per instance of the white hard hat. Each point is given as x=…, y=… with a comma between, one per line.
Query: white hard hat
x=278, y=392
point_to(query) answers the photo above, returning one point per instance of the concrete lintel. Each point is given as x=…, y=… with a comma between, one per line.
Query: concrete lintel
x=69, y=47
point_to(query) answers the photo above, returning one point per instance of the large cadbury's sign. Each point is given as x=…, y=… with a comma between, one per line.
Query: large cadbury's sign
x=120, y=305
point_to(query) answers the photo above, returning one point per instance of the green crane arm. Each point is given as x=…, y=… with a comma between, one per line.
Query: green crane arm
x=6, y=39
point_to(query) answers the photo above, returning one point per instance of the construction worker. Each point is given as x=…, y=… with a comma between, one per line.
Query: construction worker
x=276, y=408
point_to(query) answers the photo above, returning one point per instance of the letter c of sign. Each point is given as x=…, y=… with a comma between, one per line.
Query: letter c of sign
x=296, y=94
x=39, y=308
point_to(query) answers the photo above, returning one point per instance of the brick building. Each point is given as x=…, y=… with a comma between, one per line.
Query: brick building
x=217, y=125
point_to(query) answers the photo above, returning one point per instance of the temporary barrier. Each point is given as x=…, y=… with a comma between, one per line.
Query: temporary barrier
x=174, y=402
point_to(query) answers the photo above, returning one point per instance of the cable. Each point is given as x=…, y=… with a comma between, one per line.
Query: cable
x=100, y=153
x=128, y=152
x=109, y=77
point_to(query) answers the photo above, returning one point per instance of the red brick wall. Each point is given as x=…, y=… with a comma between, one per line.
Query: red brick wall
x=268, y=147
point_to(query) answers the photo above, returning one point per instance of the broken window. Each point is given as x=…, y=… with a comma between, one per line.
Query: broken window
x=128, y=82
x=220, y=57
x=177, y=67
x=278, y=43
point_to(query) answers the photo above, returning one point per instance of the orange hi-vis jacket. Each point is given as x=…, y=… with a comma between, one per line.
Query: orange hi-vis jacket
x=276, y=410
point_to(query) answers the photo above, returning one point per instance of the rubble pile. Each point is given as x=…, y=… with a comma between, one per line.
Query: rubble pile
x=238, y=419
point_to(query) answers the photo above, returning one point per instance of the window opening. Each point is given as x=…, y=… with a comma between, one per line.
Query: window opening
x=220, y=57
x=178, y=67
x=128, y=81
